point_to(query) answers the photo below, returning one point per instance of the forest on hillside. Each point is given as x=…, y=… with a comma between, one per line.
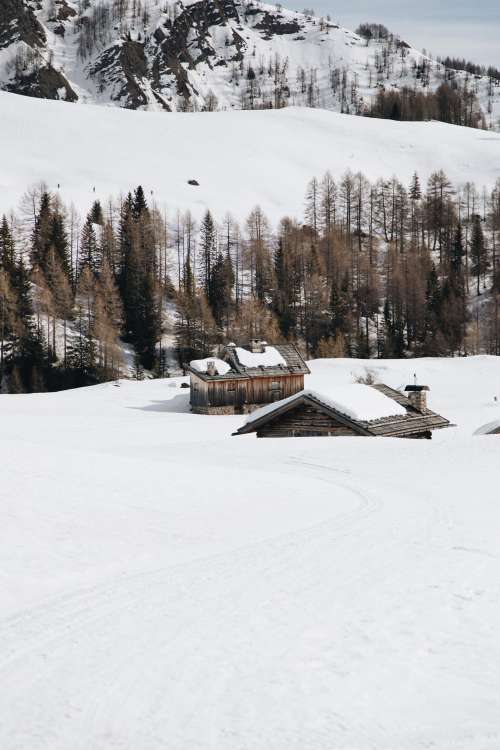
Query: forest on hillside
x=372, y=269
x=126, y=50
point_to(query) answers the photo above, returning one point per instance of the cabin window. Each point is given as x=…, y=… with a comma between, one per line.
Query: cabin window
x=275, y=386
x=231, y=387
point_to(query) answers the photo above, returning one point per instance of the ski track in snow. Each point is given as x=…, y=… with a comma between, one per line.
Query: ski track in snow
x=179, y=588
x=139, y=606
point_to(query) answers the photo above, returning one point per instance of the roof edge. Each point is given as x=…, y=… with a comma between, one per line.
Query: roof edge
x=291, y=402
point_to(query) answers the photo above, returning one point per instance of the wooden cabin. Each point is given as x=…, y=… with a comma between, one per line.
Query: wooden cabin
x=245, y=378
x=311, y=414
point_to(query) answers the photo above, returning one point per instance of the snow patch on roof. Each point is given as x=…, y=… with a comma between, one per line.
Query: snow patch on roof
x=361, y=402
x=270, y=357
x=201, y=365
x=356, y=401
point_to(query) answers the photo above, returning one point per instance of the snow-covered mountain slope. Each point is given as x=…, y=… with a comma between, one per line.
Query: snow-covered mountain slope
x=240, y=159
x=166, y=585
x=228, y=54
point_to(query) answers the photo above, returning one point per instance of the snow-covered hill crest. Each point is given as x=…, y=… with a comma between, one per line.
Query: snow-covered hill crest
x=210, y=54
x=267, y=147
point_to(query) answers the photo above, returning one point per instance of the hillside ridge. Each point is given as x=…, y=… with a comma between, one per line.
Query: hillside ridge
x=213, y=54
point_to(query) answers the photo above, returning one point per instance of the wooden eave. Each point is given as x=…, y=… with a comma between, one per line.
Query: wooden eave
x=231, y=375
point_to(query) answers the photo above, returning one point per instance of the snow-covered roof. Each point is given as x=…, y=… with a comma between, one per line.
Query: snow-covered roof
x=201, y=365
x=359, y=402
x=270, y=357
x=241, y=362
x=278, y=360
x=489, y=428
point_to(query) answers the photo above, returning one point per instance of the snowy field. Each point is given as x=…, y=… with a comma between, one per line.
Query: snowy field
x=164, y=585
x=240, y=159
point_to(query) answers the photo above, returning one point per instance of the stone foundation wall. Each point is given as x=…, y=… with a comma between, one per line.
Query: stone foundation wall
x=225, y=410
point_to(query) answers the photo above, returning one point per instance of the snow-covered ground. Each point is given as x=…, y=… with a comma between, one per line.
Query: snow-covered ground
x=165, y=585
x=240, y=159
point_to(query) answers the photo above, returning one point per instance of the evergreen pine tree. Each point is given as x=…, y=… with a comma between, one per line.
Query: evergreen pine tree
x=415, y=191
x=7, y=322
x=340, y=308
x=139, y=205
x=96, y=213
x=42, y=232
x=478, y=252
x=7, y=250
x=28, y=347
x=217, y=290
x=88, y=248
x=59, y=242
x=207, y=251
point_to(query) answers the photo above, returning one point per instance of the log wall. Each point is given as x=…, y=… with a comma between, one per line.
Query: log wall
x=305, y=421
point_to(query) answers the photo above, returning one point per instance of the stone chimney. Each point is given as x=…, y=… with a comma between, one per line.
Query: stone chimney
x=257, y=346
x=417, y=395
x=211, y=369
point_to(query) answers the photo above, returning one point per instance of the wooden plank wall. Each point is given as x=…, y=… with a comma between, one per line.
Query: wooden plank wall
x=305, y=421
x=253, y=391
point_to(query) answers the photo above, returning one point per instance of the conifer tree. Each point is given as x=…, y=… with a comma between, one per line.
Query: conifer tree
x=7, y=321
x=7, y=248
x=208, y=239
x=282, y=301
x=88, y=248
x=188, y=284
x=340, y=308
x=138, y=285
x=415, y=191
x=28, y=348
x=42, y=232
x=478, y=252
x=217, y=289
x=96, y=213
x=149, y=325
x=453, y=311
x=59, y=242
x=82, y=349
x=139, y=205
x=433, y=307
x=131, y=271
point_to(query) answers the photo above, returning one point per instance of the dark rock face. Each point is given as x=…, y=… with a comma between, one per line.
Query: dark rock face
x=274, y=24
x=176, y=48
x=43, y=83
x=125, y=67
x=198, y=17
x=64, y=11
x=125, y=70
x=18, y=23
x=128, y=68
